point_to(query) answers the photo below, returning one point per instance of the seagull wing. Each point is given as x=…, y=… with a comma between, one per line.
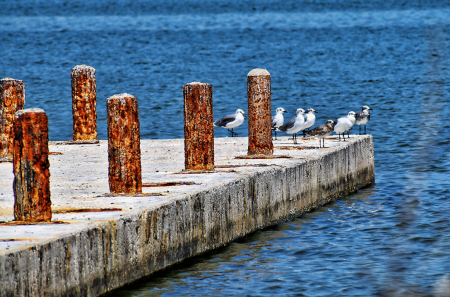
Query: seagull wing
x=358, y=115
x=225, y=120
x=317, y=131
x=288, y=125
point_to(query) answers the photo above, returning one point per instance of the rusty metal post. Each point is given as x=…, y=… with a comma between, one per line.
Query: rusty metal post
x=259, y=109
x=31, y=167
x=84, y=102
x=12, y=99
x=198, y=127
x=124, y=149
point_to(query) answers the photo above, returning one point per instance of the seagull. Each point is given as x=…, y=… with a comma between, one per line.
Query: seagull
x=363, y=117
x=310, y=119
x=295, y=125
x=322, y=131
x=231, y=121
x=278, y=120
x=341, y=125
x=351, y=117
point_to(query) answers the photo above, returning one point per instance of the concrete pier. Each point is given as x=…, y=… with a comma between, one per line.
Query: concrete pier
x=98, y=241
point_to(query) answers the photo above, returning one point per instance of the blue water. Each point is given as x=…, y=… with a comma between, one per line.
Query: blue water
x=391, y=239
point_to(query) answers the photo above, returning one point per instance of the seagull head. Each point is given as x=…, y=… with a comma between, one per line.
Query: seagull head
x=351, y=113
x=238, y=111
x=330, y=122
x=365, y=107
x=300, y=111
x=311, y=110
x=281, y=110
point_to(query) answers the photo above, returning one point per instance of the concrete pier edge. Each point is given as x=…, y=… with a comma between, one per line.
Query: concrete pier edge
x=107, y=254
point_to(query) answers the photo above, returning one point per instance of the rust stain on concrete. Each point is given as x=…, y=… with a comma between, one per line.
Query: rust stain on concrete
x=168, y=184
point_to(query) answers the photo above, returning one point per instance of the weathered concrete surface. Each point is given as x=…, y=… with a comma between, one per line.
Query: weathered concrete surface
x=95, y=252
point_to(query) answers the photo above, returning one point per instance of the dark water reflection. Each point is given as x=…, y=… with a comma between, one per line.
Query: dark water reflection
x=335, y=56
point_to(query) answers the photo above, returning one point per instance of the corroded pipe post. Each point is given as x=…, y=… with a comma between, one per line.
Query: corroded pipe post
x=259, y=109
x=198, y=127
x=84, y=102
x=31, y=167
x=124, y=149
x=12, y=99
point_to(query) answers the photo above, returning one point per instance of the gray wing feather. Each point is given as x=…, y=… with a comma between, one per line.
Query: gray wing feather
x=288, y=125
x=225, y=120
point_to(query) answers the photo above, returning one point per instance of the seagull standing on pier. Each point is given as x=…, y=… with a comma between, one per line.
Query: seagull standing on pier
x=278, y=120
x=341, y=125
x=322, y=131
x=363, y=117
x=295, y=125
x=231, y=121
x=310, y=119
x=351, y=117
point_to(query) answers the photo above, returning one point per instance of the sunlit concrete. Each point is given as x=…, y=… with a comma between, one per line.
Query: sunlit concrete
x=90, y=253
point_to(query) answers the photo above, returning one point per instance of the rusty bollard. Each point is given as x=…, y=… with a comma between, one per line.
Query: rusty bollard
x=31, y=167
x=12, y=99
x=84, y=102
x=124, y=151
x=259, y=113
x=198, y=127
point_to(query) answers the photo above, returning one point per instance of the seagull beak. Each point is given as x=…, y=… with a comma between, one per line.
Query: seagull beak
x=284, y=111
x=316, y=111
x=370, y=108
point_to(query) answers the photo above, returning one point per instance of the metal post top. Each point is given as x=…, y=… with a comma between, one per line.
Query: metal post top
x=258, y=72
x=6, y=79
x=120, y=96
x=28, y=110
x=82, y=67
x=197, y=83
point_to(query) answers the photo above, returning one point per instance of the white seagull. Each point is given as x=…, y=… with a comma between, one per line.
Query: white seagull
x=231, y=121
x=322, y=131
x=341, y=125
x=363, y=117
x=278, y=120
x=295, y=125
x=310, y=119
x=351, y=117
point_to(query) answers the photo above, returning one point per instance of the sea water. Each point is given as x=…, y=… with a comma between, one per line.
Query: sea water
x=390, y=239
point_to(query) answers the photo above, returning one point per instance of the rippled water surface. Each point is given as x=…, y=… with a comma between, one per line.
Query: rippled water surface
x=334, y=56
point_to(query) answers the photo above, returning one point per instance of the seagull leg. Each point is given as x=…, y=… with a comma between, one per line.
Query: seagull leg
x=359, y=129
x=365, y=129
x=232, y=133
